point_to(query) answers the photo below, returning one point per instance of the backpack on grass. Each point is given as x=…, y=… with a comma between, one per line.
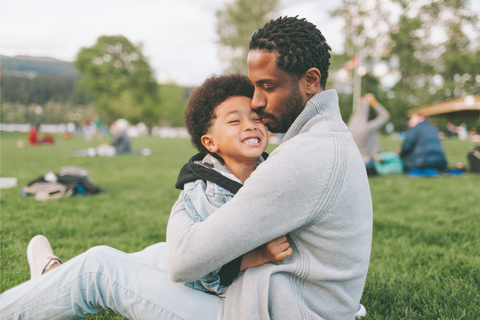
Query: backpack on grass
x=387, y=162
x=69, y=181
x=474, y=159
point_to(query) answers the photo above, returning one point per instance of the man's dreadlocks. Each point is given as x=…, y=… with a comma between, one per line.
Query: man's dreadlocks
x=299, y=44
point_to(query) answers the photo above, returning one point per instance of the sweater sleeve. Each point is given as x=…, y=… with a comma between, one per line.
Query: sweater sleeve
x=292, y=189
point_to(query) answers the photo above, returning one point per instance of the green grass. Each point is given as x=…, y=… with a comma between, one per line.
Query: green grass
x=425, y=260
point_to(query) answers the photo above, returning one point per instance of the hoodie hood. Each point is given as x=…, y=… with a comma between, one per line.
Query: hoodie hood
x=207, y=167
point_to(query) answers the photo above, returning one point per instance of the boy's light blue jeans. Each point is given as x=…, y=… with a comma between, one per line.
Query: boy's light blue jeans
x=134, y=285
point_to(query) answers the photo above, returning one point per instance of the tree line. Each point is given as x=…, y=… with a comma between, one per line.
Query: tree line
x=429, y=50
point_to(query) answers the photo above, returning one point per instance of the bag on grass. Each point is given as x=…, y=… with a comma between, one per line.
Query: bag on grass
x=388, y=162
x=69, y=181
x=474, y=159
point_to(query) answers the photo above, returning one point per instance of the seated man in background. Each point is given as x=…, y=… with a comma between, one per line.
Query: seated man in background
x=422, y=148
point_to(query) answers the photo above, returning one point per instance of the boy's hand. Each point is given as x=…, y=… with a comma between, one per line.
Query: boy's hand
x=274, y=250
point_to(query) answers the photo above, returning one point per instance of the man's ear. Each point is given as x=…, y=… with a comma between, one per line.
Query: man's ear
x=209, y=143
x=312, y=81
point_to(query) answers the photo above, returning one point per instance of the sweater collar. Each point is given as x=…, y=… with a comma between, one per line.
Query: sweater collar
x=324, y=103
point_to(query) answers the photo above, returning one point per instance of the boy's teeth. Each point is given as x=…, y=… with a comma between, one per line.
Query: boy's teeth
x=250, y=141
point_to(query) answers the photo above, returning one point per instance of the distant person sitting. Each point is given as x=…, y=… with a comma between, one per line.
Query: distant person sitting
x=33, y=136
x=121, y=141
x=422, y=148
x=48, y=139
x=364, y=126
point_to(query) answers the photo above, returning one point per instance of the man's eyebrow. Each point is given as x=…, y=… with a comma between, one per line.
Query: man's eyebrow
x=262, y=81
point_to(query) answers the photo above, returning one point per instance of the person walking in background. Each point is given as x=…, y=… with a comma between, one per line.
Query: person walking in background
x=121, y=140
x=364, y=126
x=462, y=132
x=422, y=148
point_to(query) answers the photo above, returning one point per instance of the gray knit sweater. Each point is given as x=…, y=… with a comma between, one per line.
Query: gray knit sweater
x=312, y=187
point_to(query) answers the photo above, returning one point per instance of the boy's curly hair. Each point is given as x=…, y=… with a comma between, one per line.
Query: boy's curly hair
x=200, y=109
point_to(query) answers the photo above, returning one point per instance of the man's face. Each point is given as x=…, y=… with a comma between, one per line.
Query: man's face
x=277, y=96
x=415, y=119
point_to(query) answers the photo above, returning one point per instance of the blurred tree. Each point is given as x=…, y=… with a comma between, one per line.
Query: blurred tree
x=423, y=51
x=120, y=79
x=174, y=99
x=42, y=88
x=235, y=26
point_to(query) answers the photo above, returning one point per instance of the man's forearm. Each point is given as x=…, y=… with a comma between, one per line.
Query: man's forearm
x=273, y=202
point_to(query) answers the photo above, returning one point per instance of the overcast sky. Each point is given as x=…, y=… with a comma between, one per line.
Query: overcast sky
x=178, y=36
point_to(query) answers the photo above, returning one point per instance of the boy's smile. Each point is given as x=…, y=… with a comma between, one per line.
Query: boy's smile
x=237, y=133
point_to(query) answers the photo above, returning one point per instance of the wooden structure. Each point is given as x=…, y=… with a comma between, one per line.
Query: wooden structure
x=468, y=106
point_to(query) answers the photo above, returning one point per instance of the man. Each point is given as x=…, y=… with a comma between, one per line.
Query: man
x=422, y=148
x=313, y=188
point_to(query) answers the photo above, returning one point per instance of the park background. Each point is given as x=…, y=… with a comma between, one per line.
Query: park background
x=140, y=59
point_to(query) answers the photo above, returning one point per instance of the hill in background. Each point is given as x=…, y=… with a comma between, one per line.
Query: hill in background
x=31, y=66
x=28, y=82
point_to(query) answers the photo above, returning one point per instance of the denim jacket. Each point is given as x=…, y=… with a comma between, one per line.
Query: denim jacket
x=202, y=197
x=201, y=200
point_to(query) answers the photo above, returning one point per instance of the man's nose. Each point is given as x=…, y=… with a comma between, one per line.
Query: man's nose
x=258, y=101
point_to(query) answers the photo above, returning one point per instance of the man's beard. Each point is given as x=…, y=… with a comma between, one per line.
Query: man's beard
x=286, y=115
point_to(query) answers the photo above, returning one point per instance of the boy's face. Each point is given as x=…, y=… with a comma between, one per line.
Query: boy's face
x=237, y=133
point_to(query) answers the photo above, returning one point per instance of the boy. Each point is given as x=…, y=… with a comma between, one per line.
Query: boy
x=231, y=140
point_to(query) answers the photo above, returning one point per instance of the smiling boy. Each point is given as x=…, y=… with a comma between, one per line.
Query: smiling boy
x=231, y=140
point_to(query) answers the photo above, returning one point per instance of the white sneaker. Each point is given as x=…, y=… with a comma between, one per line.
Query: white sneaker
x=361, y=312
x=40, y=256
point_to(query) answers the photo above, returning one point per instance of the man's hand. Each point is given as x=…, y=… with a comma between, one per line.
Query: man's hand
x=274, y=250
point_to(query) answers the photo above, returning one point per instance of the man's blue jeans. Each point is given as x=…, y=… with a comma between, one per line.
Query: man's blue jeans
x=134, y=285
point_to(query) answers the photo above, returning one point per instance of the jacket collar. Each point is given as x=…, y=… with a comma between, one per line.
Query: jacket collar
x=324, y=103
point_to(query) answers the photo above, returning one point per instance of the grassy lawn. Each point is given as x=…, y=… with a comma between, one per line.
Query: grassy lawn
x=425, y=260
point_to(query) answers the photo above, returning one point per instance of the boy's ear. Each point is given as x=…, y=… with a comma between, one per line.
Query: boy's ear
x=209, y=143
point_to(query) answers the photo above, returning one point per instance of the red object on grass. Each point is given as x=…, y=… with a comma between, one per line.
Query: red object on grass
x=33, y=137
x=48, y=139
